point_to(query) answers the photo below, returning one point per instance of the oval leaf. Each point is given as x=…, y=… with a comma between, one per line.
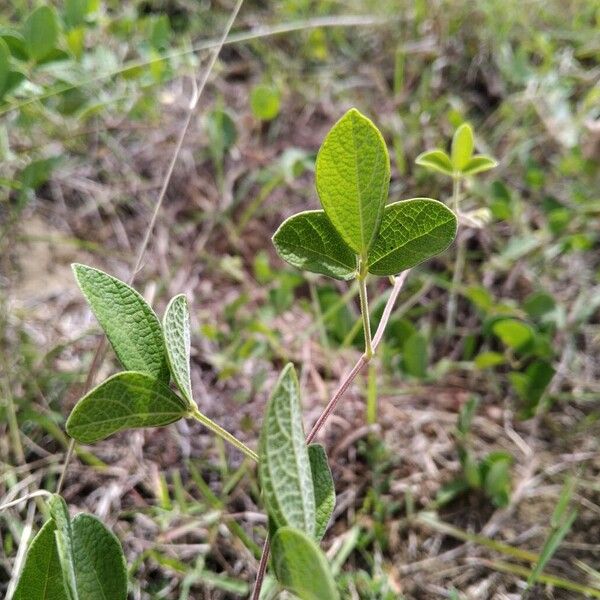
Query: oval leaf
x=176, y=327
x=4, y=65
x=130, y=324
x=265, y=101
x=309, y=241
x=324, y=488
x=284, y=467
x=91, y=557
x=40, y=31
x=125, y=401
x=462, y=146
x=301, y=567
x=353, y=176
x=479, y=164
x=411, y=231
x=41, y=578
x=436, y=160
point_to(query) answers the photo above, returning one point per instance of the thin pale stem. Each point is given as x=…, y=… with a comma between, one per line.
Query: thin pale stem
x=24, y=499
x=224, y=434
x=332, y=404
x=198, y=90
x=364, y=311
x=458, y=262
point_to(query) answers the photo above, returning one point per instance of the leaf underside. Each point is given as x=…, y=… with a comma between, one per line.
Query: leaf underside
x=176, y=327
x=125, y=401
x=130, y=324
x=352, y=178
x=411, y=232
x=301, y=567
x=309, y=241
x=284, y=466
x=41, y=578
x=324, y=488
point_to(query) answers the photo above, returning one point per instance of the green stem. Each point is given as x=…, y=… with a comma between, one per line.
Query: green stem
x=223, y=434
x=371, y=395
x=364, y=308
x=456, y=193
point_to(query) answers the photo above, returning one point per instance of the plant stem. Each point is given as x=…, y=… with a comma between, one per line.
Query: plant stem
x=456, y=194
x=364, y=307
x=371, y=394
x=224, y=434
x=458, y=262
x=332, y=404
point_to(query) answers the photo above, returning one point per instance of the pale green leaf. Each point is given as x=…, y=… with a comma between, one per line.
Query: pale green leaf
x=436, y=160
x=514, y=333
x=91, y=557
x=324, y=488
x=41, y=577
x=301, y=567
x=176, y=327
x=124, y=401
x=309, y=241
x=40, y=31
x=353, y=176
x=479, y=164
x=128, y=321
x=265, y=101
x=411, y=232
x=462, y=147
x=284, y=467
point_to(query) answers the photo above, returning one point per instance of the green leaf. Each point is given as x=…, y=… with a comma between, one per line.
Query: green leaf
x=301, y=567
x=479, y=164
x=309, y=241
x=436, y=160
x=415, y=356
x=75, y=12
x=124, y=401
x=176, y=327
x=324, y=488
x=284, y=466
x=40, y=31
x=411, y=231
x=462, y=147
x=4, y=65
x=91, y=557
x=265, y=102
x=41, y=578
x=353, y=176
x=128, y=321
x=514, y=333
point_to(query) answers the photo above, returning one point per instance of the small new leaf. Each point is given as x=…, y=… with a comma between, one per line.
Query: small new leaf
x=40, y=31
x=125, y=401
x=128, y=321
x=301, y=567
x=436, y=160
x=91, y=557
x=41, y=577
x=353, y=176
x=479, y=164
x=324, y=488
x=462, y=147
x=176, y=327
x=309, y=241
x=284, y=467
x=411, y=232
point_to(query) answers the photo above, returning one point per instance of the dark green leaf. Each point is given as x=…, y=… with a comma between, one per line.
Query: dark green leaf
x=284, y=466
x=309, y=241
x=301, y=567
x=125, y=401
x=324, y=488
x=128, y=321
x=4, y=65
x=40, y=31
x=412, y=231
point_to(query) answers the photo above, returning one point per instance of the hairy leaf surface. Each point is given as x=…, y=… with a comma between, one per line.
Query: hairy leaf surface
x=125, y=401
x=411, y=232
x=353, y=176
x=301, y=567
x=41, y=578
x=309, y=241
x=128, y=321
x=176, y=327
x=284, y=466
x=324, y=488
